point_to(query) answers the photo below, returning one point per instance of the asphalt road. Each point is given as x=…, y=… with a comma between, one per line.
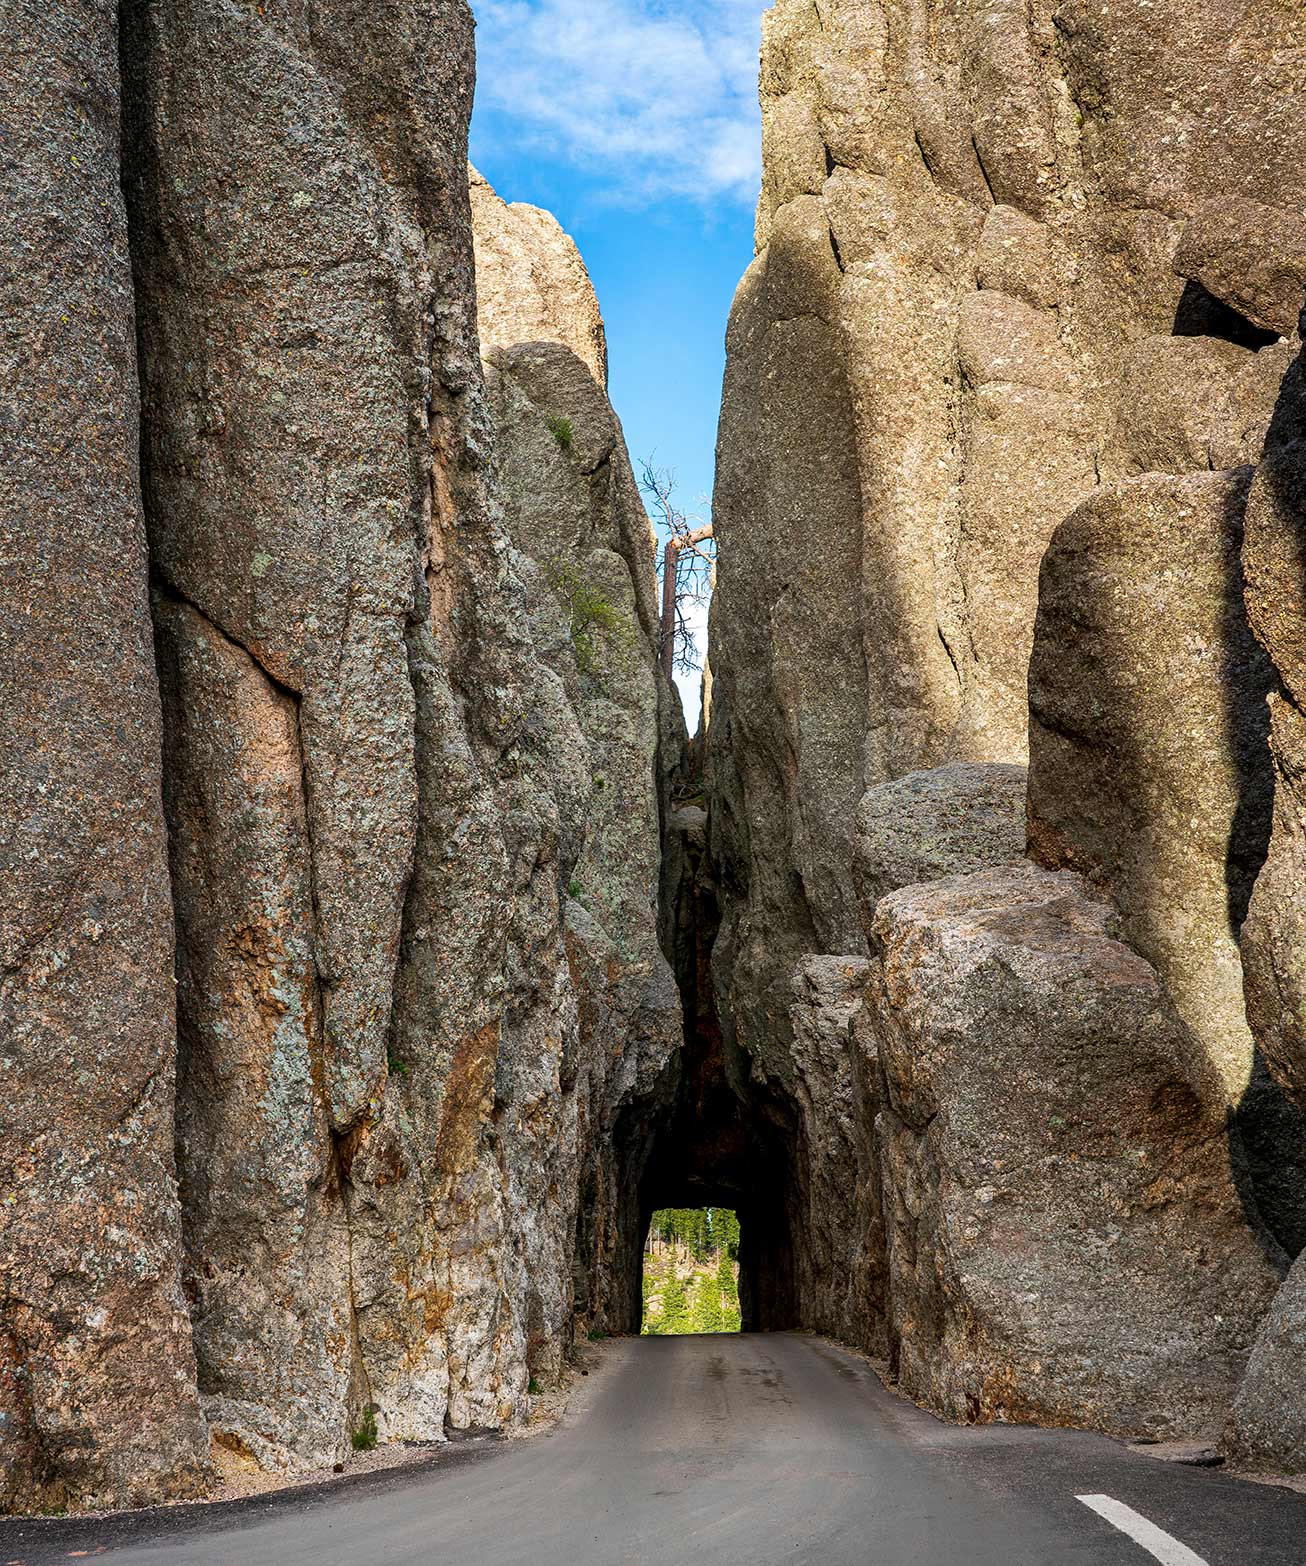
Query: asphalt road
x=734, y=1451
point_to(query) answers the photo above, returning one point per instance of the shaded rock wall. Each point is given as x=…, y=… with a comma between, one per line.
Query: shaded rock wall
x=97, y=1371
x=573, y=509
x=1268, y=1427
x=314, y=467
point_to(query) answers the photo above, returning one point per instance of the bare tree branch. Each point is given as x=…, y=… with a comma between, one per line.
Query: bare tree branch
x=685, y=570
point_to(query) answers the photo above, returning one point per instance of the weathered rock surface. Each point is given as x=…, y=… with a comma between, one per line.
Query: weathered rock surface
x=1066, y=1242
x=531, y=284
x=950, y=821
x=1149, y=770
x=1273, y=556
x=267, y=1232
x=1267, y=1429
x=313, y=440
x=836, y=1221
x=1007, y=257
x=97, y=1372
x=377, y=791
x=573, y=509
x=1250, y=255
x=985, y=243
x=413, y=780
x=1148, y=761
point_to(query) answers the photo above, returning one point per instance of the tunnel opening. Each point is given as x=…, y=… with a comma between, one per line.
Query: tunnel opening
x=691, y=1272
x=719, y=1140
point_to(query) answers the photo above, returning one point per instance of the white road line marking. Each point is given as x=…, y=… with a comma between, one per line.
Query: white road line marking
x=1153, y=1539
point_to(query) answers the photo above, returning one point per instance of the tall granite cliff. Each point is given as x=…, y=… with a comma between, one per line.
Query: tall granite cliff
x=375, y=954
x=1025, y=296
x=404, y=791
x=97, y=1371
x=573, y=511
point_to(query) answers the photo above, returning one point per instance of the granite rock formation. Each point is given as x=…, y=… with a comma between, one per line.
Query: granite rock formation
x=1268, y=1427
x=1013, y=267
x=315, y=441
x=572, y=508
x=408, y=808
x=1150, y=771
x=1066, y=1239
x=97, y=1371
x=531, y=284
x=375, y=954
x=927, y=825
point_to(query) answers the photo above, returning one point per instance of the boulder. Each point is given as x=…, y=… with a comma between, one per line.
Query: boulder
x=1251, y=255
x=1066, y=1240
x=949, y=821
x=1149, y=770
x=1267, y=1428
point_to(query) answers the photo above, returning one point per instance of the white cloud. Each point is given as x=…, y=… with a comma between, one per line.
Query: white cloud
x=658, y=96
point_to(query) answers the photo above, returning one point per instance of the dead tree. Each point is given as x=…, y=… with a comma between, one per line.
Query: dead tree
x=688, y=559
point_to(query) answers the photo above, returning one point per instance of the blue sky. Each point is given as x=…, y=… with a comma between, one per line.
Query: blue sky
x=636, y=123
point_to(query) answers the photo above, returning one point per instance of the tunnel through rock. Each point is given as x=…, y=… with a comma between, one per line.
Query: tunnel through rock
x=713, y=1136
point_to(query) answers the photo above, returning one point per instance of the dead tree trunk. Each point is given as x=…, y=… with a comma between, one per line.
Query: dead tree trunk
x=670, y=590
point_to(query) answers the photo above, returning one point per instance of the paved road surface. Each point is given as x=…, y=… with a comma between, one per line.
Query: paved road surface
x=730, y=1451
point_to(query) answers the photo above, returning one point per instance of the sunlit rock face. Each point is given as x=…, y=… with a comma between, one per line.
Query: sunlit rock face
x=978, y=238
x=97, y=1371
x=406, y=795
x=1150, y=770
x=1066, y=1239
x=531, y=283
x=997, y=287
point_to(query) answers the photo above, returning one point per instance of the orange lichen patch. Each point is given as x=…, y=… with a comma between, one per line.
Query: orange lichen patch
x=231, y=1457
x=468, y=1094
x=260, y=952
x=437, y=1304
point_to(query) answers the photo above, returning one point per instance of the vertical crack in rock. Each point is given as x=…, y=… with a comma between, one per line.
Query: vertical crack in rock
x=97, y=1371
x=264, y=1208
